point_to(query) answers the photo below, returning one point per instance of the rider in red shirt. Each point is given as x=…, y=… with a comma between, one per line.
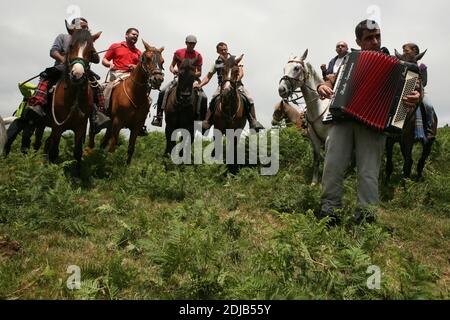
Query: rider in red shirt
x=178, y=57
x=122, y=57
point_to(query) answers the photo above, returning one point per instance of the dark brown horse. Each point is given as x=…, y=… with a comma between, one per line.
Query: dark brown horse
x=229, y=106
x=180, y=111
x=407, y=140
x=73, y=100
x=130, y=100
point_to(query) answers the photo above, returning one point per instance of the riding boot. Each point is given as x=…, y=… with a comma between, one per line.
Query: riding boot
x=99, y=120
x=251, y=116
x=157, y=120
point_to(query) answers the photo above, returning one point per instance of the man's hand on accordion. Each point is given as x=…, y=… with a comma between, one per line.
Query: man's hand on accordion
x=412, y=100
x=325, y=92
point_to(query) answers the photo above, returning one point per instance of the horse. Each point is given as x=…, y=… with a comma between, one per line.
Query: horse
x=229, y=105
x=180, y=110
x=407, y=138
x=130, y=100
x=286, y=111
x=298, y=74
x=73, y=100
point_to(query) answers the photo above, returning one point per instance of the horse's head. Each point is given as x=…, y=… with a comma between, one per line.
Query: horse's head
x=410, y=56
x=230, y=74
x=186, y=78
x=295, y=74
x=279, y=114
x=79, y=55
x=152, y=64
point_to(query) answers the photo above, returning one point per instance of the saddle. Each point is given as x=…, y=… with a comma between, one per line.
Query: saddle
x=108, y=87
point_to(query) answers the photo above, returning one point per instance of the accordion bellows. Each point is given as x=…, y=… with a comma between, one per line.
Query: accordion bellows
x=370, y=87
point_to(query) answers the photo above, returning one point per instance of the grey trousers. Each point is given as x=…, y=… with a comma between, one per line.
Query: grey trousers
x=343, y=138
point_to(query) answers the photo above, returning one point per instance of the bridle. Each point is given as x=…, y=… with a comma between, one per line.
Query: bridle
x=156, y=70
x=234, y=85
x=296, y=94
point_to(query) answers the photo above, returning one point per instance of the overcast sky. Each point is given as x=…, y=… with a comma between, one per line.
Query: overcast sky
x=267, y=32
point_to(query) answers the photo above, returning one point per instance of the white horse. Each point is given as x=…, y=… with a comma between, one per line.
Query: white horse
x=300, y=74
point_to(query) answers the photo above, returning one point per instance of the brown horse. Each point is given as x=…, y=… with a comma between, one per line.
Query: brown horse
x=407, y=140
x=130, y=100
x=285, y=111
x=229, y=106
x=73, y=100
x=180, y=111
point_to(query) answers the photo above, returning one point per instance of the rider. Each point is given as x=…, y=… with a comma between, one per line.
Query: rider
x=51, y=75
x=411, y=53
x=335, y=63
x=222, y=50
x=178, y=57
x=122, y=58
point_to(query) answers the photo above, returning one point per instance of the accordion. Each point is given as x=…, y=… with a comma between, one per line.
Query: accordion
x=370, y=87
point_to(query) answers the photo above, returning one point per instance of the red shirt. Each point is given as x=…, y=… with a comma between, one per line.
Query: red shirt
x=122, y=55
x=182, y=54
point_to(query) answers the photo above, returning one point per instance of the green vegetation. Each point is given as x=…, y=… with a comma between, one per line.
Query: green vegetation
x=155, y=230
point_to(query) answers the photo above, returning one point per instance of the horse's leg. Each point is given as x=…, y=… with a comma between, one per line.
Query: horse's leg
x=169, y=143
x=132, y=142
x=389, y=165
x=38, y=134
x=316, y=144
x=106, y=138
x=80, y=133
x=55, y=138
x=426, y=150
x=116, y=126
x=406, y=147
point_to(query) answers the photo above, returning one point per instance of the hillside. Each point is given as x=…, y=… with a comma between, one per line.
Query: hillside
x=156, y=230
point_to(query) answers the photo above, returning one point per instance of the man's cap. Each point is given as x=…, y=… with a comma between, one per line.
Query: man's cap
x=191, y=39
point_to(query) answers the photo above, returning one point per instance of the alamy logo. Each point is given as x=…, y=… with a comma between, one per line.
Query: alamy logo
x=258, y=148
x=374, y=281
x=74, y=280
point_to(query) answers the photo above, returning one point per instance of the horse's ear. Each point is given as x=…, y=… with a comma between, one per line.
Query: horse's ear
x=146, y=45
x=303, y=58
x=96, y=36
x=420, y=55
x=238, y=60
x=161, y=49
x=69, y=27
x=398, y=55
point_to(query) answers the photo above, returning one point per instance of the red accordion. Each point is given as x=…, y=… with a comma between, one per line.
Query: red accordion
x=370, y=87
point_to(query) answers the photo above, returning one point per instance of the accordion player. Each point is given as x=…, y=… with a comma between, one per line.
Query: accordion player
x=369, y=88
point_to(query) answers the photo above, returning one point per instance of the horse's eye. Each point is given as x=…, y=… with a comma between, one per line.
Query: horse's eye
x=297, y=68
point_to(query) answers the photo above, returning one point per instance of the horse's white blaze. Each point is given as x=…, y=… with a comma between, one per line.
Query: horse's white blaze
x=227, y=85
x=77, y=68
